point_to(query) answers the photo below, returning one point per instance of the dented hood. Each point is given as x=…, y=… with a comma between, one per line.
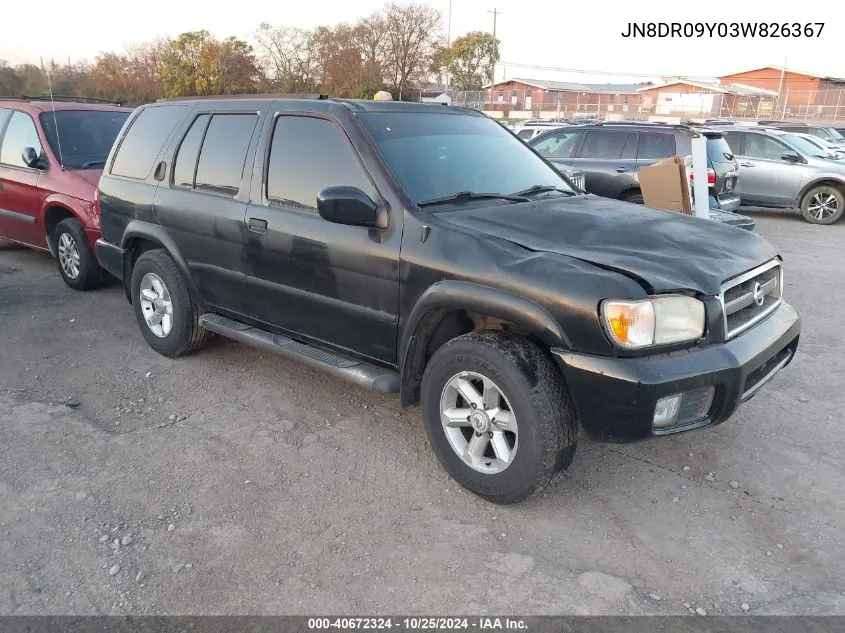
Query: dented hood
x=667, y=251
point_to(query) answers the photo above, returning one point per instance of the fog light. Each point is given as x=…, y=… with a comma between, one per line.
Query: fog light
x=666, y=411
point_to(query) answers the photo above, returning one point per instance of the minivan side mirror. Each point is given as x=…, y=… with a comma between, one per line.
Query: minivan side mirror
x=792, y=157
x=32, y=159
x=351, y=206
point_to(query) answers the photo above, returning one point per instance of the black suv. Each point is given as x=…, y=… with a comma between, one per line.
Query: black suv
x=611, y=155
x=425, y=250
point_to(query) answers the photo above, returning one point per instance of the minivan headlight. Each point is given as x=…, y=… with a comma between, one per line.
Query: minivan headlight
x=655, y=321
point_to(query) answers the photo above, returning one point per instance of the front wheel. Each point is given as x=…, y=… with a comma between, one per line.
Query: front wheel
x=498, y=415
x=77, y=264
x=823, y=205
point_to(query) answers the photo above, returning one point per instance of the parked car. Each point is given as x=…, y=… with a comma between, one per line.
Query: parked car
x=781, y=169
x=824, y=132
x=827, y=148
x=51, y=157
x=611, y=155
x=528, y=131
x=429, y=252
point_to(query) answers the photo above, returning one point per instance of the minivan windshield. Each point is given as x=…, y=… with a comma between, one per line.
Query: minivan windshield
x=438, y=155
x=84, y=137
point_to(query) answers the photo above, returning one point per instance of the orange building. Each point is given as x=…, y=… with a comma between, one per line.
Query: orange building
x=796, y=89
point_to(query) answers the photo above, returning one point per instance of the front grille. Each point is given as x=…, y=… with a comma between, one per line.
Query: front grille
x=766, y=371
x=751, y=297
x=578, y=181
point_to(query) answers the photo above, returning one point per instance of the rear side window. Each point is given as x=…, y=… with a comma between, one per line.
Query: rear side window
x=656, y=145
x=189, y=150
x=4, y=114
x=309, y=154
x=718, y=150
x=221, y=163
x=734, y=140
x=20, y=134
x=143, y=141
x=604, y=145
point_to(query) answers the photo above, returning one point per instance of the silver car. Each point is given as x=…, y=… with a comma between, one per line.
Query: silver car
x=778, y=168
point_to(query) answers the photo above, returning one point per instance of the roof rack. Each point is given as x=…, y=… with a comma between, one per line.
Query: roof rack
x=303, y=95
x=62, y=98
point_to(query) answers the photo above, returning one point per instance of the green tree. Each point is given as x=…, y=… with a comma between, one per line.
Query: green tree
x=469, y=60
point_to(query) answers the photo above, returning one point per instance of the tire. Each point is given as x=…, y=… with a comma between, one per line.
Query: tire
x=634, y=197
x=167, y=301
x=533, y=393
x=823, y=205
x=76, y=261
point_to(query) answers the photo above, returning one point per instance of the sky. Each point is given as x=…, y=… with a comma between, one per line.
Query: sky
x=556, y=34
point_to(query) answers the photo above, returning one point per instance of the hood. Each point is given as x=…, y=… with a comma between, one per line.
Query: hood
x=91, y=176
x=668, y=251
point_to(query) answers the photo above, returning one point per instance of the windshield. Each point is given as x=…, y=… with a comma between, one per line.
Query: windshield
x=441, y=154
x=833, y=134
x=804, y=145
x=85, y=136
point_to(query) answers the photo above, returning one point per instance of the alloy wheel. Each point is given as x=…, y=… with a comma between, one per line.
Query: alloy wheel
x=156, y=305
x=823, y=205
x=69, y=256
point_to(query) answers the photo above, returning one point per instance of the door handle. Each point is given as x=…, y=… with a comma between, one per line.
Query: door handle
x=257, y=225
x=746, y=164
x=621, y=170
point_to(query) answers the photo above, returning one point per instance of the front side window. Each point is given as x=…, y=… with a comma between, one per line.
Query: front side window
x=143, y=141
x=82, y=139
x=221, y=163
x=435, y=155
x=20, y=134
x=558, y=145
x=765, y=147
x=308, y=154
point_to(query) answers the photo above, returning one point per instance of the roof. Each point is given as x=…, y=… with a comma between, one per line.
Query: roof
x=566, y=86
x=780, y=69
x=48, y=106
x=728, y=88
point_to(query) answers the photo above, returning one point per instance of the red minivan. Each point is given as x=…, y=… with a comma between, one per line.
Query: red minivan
x=51, y=156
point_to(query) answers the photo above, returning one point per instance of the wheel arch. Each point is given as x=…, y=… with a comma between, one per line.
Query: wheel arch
x=830, y=181
x=452, y=308
x=140, y=237
x=53, y=213
x=629, y=192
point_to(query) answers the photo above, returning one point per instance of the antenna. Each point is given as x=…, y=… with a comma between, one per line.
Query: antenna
x=55, y=121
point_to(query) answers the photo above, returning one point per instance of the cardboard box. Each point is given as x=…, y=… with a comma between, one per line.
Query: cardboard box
x=665, y=185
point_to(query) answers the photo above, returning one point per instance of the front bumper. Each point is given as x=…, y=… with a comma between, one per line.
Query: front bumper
x=615, y=397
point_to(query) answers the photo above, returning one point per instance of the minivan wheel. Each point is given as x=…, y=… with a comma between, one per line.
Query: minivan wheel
x=823, y=205
x=498, y=415
x=168, y=319
x=76, y=261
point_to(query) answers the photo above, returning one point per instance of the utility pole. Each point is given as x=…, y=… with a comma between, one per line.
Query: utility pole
x=496, y=13
x=448, y=41
x=780, y=88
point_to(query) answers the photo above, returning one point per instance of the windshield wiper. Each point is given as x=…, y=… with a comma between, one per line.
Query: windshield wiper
x=465, y=196
x=93, y=163
x=542, y=189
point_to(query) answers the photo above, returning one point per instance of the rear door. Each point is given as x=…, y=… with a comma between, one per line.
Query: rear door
x=20, y=198
x=764, y=177
x=608, y=159
x=204, y=203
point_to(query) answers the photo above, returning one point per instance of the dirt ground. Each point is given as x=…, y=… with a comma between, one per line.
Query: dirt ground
x=235, y=482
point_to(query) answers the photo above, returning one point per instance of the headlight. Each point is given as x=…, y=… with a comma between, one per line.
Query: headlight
x=655, y=321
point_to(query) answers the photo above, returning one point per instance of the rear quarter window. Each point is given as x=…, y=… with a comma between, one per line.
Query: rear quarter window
x=144, y=139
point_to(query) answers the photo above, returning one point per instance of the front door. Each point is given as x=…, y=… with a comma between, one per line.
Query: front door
x=203, y=209
x=764, y=177
x=20, y=198
x=559, y=147
x=327, y=282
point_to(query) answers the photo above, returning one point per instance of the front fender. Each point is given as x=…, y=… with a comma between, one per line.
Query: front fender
x=473, y=298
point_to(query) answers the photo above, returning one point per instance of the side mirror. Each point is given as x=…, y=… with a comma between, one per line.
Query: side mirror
x=792, y=157
x=32, y=159
x=351, y=206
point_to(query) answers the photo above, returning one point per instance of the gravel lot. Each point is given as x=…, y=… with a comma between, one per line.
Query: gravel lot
x=233, y=481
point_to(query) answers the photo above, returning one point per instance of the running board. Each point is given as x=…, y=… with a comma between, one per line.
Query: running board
x=354, y=371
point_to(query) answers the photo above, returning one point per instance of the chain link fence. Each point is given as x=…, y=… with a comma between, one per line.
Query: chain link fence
x=820, y=106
